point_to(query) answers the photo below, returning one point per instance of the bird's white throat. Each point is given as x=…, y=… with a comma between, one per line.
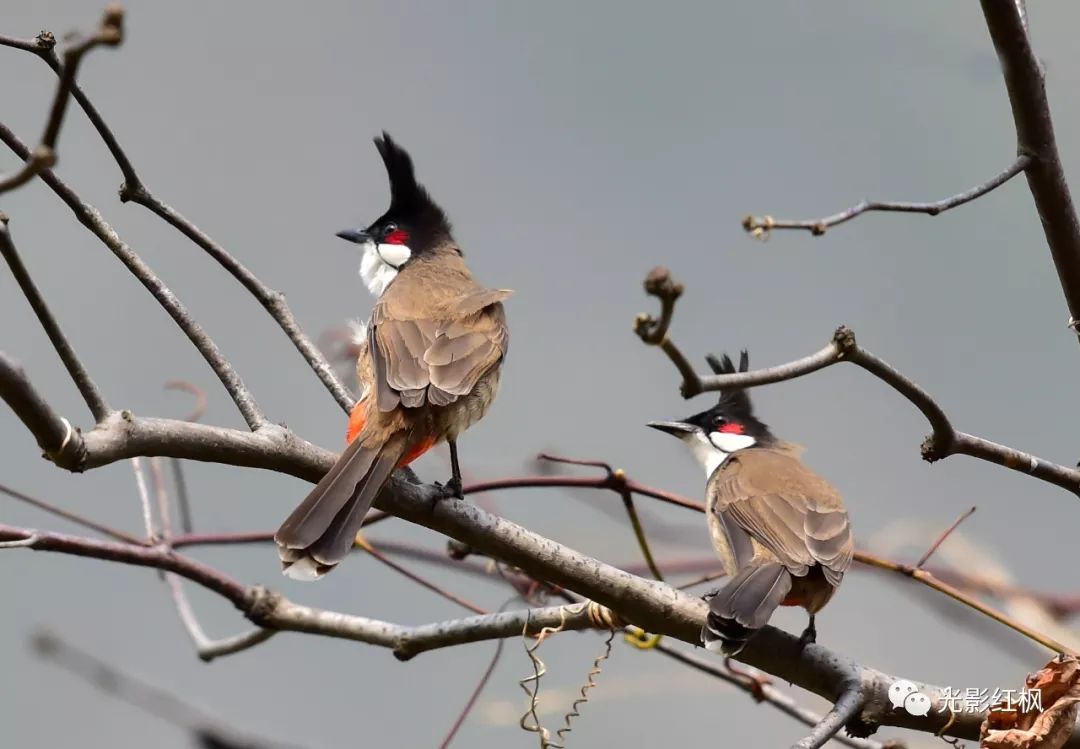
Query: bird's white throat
x=713, y=450
x=379, y=265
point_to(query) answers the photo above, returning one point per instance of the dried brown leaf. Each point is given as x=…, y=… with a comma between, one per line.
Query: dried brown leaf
x=1008, y=727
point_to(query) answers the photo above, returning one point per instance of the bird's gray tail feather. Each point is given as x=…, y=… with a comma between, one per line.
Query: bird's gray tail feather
x=320, y=531
x=744, y=606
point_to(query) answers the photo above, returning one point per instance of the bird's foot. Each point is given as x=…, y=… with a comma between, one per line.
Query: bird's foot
x=808, y=636
x=450, y=490
x=710, y=594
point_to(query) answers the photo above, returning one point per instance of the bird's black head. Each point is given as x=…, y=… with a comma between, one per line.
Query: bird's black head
x=413, y=226
x=727, y=427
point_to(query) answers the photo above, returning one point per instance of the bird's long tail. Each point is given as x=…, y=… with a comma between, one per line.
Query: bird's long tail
x=320, y=531
x=744, y=606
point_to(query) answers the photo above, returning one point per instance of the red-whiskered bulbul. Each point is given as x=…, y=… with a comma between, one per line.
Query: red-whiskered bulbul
x=781, y=531
x=436, y=340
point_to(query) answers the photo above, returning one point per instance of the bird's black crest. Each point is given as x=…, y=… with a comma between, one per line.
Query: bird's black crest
x=735, y=400
x=408, y=198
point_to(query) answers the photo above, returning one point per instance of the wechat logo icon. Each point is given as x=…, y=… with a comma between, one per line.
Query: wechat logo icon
x=904, y=694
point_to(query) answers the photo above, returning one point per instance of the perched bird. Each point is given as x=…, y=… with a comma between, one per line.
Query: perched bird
x=435, y=343
x=781, y=531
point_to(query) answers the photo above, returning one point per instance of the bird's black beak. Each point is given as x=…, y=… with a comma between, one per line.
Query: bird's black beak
x=678, y=429
x=355, y=235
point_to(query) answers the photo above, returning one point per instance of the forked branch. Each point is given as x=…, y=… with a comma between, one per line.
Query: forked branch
x=944, y=439
x=109, y=32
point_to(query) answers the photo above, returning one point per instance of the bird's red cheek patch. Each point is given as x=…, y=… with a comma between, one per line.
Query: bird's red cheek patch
x=398, y=236
x=730, y=428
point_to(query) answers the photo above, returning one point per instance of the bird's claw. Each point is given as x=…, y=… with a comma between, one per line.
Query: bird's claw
x=808, y=636
x=450, y=490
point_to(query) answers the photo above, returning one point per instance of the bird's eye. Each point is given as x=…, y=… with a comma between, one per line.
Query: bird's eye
x=719, y=421
x=394, y=234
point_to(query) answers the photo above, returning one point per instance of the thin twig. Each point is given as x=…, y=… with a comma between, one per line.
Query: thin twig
x=196, y=392
x=206, y=648
x=944, y=535
x=929, y=580
x=654, y=331
x=133, y=189
x=616, y=478
x=477, y=691
x=761, y=226
x=639, y=534
x=420, y=580
x=93, y=397
x=154, y=700
x=92, y=219
x=183, y=501
x=144, y=500
x=271, y=300
x=52, y=509
x=110, y=33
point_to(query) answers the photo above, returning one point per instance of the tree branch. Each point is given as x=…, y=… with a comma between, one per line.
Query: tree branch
x=207, y=730
x=105, y=530
x=109, y=32
x=944, y=440
x=761, y=226
x=92, y=220
x=206, y=648
x=649, y=604
x=273, y=301
x=846, y=708
x=95, y=401
x=1026, y=85
x=761, y=689
x=133, y=189
x=654, y=332
x=57, y=439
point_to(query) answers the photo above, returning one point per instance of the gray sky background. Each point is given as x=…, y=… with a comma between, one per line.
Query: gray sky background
x=574, y=145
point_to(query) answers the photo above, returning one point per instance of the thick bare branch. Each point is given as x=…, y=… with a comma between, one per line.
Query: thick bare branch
x=92, y=220
x=1026, y=85
x=761, y=226
x=54, y=434
x=649, y=604
x=272, y=611
x=846, y=708
x=95, y=401
x=760, y=688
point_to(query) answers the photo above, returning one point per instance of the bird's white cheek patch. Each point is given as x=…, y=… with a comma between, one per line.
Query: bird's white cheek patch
x=729, y=442
x=394, y=254
x=707, y=453
x=375, y=271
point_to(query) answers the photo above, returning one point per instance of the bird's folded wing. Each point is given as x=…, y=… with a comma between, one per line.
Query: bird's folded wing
x=792, y=512
x=418, y=360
